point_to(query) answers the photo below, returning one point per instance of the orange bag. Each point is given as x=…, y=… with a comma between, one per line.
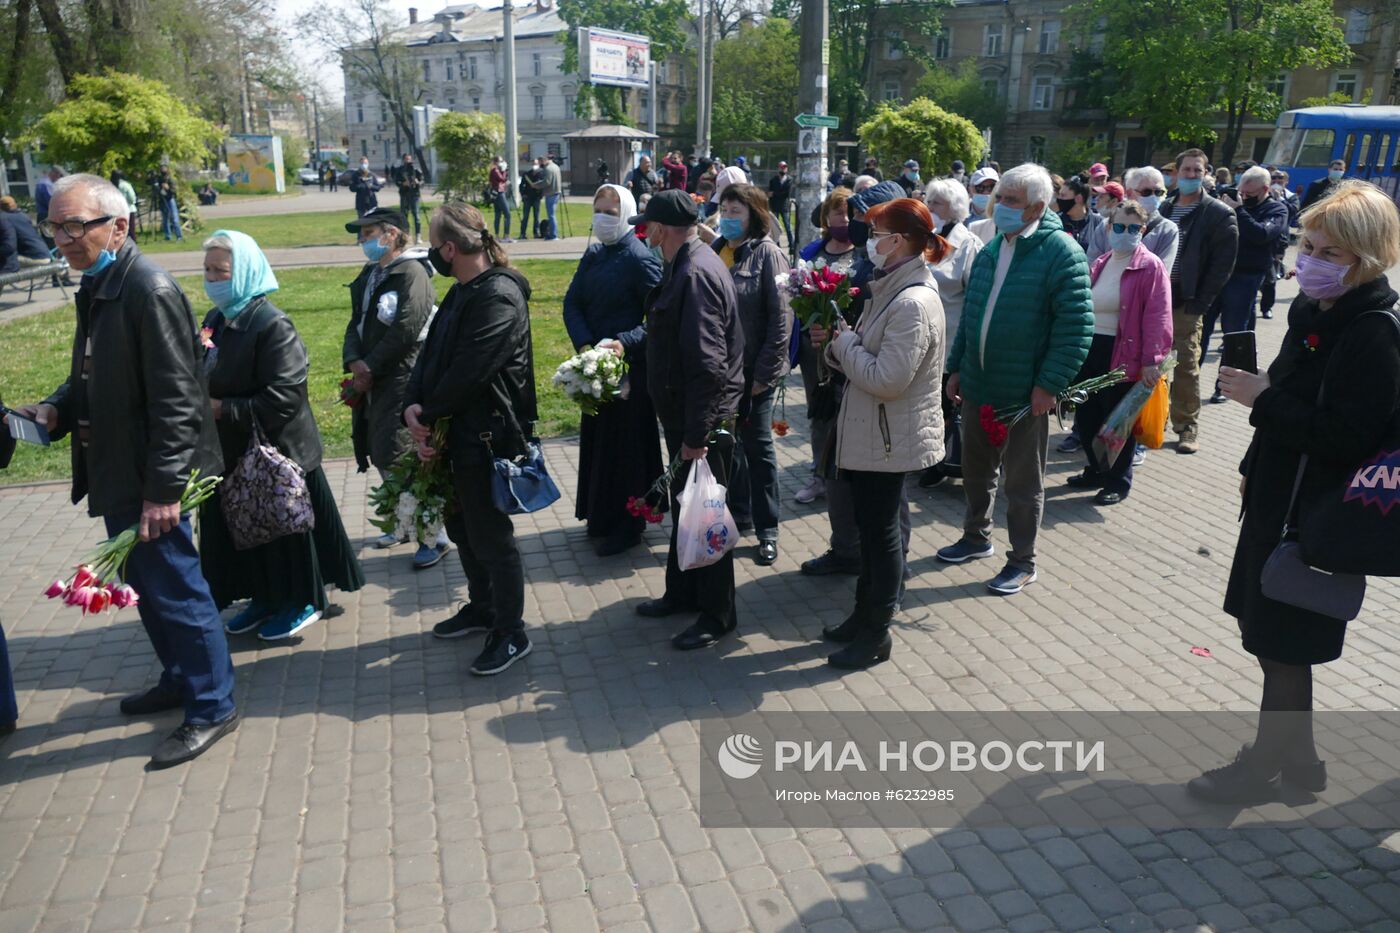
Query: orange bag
x=1151, y=422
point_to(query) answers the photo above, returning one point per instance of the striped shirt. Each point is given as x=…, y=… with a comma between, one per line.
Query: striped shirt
x=1179, y=213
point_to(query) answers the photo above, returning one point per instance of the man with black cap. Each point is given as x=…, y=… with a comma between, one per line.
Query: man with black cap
x=779, y=193
x=695, y=373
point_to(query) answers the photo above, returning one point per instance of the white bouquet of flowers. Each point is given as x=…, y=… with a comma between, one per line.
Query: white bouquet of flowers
x=592, y=378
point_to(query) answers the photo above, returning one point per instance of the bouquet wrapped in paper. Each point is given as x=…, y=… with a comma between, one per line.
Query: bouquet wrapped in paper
x=816, y=292
x=1117, y=430
x=415, y=494
x=592, y=378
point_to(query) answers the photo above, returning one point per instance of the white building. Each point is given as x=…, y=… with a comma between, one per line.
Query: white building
x=461, y=56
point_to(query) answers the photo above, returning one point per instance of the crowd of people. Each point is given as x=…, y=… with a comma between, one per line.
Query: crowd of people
x=1078, y=277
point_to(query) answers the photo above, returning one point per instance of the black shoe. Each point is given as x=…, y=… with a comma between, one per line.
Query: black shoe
x=190, y=741
x=661, y=608
x=869, y=648
x=767, y=553
x=471, y=619
x=706, y=631
x=1306, y=775
x=1217, y=397
x=617, y=544
x=1238, y=782
x=8, y=728
x=1085, y=480
x=847, y=631
x=502, y=650
x=1108, y=497
x=1267, y=315
x=744, y=525
x=932, y=477
x=830, y=563
x=155, y=700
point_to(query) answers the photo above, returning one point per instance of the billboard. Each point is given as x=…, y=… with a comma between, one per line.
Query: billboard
x=616, y=58
x=255, y=164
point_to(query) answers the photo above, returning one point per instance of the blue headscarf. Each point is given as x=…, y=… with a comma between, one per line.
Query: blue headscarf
x=252, y=276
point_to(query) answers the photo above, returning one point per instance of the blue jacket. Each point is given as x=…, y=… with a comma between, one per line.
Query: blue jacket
x=1263, y=228
x=19, y=238
x=607, y=297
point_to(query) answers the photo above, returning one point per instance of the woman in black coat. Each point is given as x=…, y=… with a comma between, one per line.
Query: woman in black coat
x=1334, y=343
x=620, y=447
x=256, y=365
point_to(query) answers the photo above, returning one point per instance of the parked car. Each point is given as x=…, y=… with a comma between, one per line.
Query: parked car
x=307, y=176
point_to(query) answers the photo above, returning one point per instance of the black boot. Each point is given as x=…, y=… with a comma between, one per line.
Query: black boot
x=846, y=632
x=1247, y=780
x=870, y=646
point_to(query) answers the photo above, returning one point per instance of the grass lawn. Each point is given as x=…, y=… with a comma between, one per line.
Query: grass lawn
x=36, y=354
x=327, y=228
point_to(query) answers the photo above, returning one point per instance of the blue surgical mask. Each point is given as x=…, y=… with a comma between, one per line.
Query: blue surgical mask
x=1008, y=219
x=374, y=250
x=980, y=201
x=1335, y=174
x=731, y=228
x=220, y=293
x=1124, y=242
x=104, y=258
x=1149, y=203
x=1188, y=185
x=1167, y=180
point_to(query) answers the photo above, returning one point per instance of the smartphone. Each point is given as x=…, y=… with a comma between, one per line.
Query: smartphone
x=23, y=429
x=1238, y=351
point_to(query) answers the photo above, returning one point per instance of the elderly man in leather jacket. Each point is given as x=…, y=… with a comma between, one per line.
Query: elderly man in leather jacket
x=695, y=373
x=139, y=412
x=477, y=368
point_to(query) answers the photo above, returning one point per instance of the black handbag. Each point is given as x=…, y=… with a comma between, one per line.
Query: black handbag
x=1352, y=525
x=1289, y=577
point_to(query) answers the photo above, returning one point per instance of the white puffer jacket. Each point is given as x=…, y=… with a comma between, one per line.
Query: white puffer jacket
x=891, y=418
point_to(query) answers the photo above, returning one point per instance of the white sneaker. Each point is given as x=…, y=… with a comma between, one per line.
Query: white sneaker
x=815, y=489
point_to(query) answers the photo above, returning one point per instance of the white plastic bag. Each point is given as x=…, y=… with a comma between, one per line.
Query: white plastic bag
x=705, y=531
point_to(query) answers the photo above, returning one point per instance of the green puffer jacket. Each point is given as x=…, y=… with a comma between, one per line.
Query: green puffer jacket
x=1042, y=324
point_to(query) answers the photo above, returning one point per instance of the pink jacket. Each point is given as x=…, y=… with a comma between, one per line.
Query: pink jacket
x=1145, y=312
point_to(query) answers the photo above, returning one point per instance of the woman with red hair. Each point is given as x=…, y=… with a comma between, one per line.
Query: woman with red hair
x=891, y=418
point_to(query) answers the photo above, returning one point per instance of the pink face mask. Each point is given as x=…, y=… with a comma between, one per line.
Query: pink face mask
x=1320, y=279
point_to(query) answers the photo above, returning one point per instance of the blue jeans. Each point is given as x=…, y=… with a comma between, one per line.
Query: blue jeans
x=180, y=620
x=502, y=205
x=9, y=709
x=170, y=219
x=1234, y=309
x=551, y=204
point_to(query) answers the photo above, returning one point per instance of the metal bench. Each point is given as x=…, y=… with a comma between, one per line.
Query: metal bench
x=33, y=275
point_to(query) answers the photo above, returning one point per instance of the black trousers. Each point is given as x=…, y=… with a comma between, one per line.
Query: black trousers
x=753, y=495
x=708, y=589
x=408, y=203
x=1091, y=415
x=485, y=539
x=877, y=499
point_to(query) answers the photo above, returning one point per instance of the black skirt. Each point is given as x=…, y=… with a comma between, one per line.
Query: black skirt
x=619, y=456
x=1270, y=629
x=292, y=571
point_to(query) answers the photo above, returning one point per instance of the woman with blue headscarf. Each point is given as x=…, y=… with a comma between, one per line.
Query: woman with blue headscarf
x=256, y=365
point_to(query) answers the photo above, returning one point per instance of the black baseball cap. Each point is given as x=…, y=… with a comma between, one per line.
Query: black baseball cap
x=671, y=208
x=380, y=215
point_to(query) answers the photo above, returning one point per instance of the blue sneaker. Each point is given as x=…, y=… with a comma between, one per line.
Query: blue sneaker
x=253, y=615
x=288, y=623
x=964, y=551
x=1011, y=581
x=429, y=555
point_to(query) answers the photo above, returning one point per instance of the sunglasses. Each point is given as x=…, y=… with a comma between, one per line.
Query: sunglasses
x=1149, y=192
x=1127, y=228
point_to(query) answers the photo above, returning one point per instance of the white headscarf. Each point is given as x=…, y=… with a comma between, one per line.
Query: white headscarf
x=627, y=206
x=729, y=175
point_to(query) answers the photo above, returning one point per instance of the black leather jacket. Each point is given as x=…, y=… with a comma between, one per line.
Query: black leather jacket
x=146, y=396
x=477, y=367
x=257, y=369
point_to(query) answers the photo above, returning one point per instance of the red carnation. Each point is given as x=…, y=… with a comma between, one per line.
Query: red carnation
x=1312, y=341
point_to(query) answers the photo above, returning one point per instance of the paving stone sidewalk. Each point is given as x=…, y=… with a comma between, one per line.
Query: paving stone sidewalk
x=375, y=785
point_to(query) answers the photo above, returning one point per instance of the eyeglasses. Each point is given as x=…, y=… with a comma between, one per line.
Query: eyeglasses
x=72, y=229
x=1277, y=177
x=1149, y=192
x=1127, y=228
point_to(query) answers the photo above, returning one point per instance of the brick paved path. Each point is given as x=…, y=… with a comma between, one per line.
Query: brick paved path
x=374, y=785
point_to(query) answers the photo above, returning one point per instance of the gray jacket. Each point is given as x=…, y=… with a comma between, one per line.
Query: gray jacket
x=763, y=311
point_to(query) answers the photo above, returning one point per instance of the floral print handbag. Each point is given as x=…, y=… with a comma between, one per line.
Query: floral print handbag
x=264, y=497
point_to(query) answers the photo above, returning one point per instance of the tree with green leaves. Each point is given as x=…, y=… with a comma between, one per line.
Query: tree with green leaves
x=920, y=130
x=755, y=85
x=959, y=90
x=465, y=144
x=375, y=55
x=659, y=20
x=121, y=121
x=1184, y=66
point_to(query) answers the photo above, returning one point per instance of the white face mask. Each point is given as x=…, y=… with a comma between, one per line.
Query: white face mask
x=878, y=260
x=938, y=221
x=608, y=229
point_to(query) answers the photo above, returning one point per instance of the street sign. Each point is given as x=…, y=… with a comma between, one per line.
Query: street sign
x=816, y=119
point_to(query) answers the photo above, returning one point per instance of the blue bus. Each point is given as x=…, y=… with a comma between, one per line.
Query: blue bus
x=1366, y=137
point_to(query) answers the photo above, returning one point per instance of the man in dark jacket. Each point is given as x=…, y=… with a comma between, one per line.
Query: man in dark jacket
x=531, y=194
x=779, y=197
x=695, y=373
x=20, y=243
x=1205, y=257
x=141, y=421
x=409, y=178
x=1263, y=226
x=477, y=368
x=1289, y=198
x=1326, y=185
x=642, y=180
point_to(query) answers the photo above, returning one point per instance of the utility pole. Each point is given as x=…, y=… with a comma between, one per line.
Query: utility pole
x=316, y=122
x=512, y=131
x=702, y=100
x=243, y=84
x=811, y=98
x=651, y=97
x=709, y=72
